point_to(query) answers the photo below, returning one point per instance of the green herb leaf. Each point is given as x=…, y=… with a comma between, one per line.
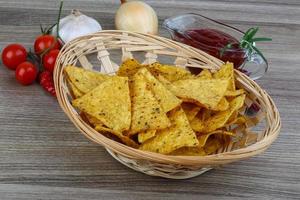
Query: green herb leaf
x=247, y=33
x=261, y=39
x=245, y=44
x=250, y=33
x=260, y=53
x=248, y=43
x=228, y=46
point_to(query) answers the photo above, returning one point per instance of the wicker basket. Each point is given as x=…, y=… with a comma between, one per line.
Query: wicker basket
x=120, y=45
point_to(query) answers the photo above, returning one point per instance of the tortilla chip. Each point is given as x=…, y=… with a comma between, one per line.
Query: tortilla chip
x=197, y=124
x=93, y=120
x=220, y=119
x=146, y=110
x=205, y=114
x=233, y=116
x=207, y=93
x=203, y=138
x=178, y=135
x=75, y=92
x=167, y=99
x=191, y=110
x=222, y=105
x=109, y=103
x=166, y=83
x=129, y=67
x=226, y=72
x=237, y=102
x=238, y=120
x=204, y=74
x=146, y=135
x=206, y=146
x=171, y=73
x=238, y=92
x=125, y=139
x=189, y=151
x=84, y=80
x=212, y=146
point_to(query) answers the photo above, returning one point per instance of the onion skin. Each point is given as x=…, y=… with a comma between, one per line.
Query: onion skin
x=136, y=16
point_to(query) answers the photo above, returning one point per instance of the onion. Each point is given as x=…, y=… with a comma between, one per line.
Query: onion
x=136, y=16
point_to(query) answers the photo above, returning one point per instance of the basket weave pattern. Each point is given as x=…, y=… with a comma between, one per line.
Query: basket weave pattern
x=154, y=47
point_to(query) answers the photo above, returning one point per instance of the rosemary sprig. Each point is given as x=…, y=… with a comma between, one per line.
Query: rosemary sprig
x=248, y=42
x=228, y=46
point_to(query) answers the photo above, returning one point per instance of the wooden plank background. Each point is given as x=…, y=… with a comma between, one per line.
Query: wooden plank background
x=43, y=156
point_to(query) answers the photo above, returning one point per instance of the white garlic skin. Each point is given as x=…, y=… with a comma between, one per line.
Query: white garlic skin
x=136, y=16
x=75, y=25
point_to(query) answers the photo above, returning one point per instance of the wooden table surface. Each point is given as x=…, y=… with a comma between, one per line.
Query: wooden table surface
x=43, y=156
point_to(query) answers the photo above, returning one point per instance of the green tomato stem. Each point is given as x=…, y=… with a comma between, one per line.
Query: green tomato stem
x=58, y=19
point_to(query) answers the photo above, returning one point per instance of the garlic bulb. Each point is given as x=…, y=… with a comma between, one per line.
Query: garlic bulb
x=75, y=25
x=136, y=16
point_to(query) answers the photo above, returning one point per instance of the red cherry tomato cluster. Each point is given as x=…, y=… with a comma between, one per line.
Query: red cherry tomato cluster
x=49, y=60
x=13, y=55
x=45, y=42
x=28, y=65
x=26, y=73
x=46, y=81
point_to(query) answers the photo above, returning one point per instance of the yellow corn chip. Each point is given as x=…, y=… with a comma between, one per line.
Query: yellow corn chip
x=212, y=146
x=129, y=67
x=109, y=103
x=171, y=73
x=205, y=146
x=84, y=80
x=237, y=102
x=146, y=111
x=146, y=135
x=178, y=135
x=205, y=114
x=125, y=139
x=222, y=105
x=226, y=72
x=166, y=83
x=233, y=116
x=189, y=151
x=74, y=90
x=207, y=93
x=220, y=119
x=238, y=120
x=167, y=99
x=191, y=110
x=203, y=138
x=197, y=124
x=93, y=120
x=229, y=93
x=204, y=74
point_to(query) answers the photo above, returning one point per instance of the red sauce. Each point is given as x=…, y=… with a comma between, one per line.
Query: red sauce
x=213, y=41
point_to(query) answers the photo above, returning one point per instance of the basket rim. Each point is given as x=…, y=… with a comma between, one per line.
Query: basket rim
x=215, y=159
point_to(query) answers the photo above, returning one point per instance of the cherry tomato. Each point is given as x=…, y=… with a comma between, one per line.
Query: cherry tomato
x=13, y=55
x=45, y=42
x=26, y=73
x=49, y=60
x=46, y=81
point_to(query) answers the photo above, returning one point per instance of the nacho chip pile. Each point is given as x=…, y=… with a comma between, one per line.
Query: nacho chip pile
x=161, y=108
